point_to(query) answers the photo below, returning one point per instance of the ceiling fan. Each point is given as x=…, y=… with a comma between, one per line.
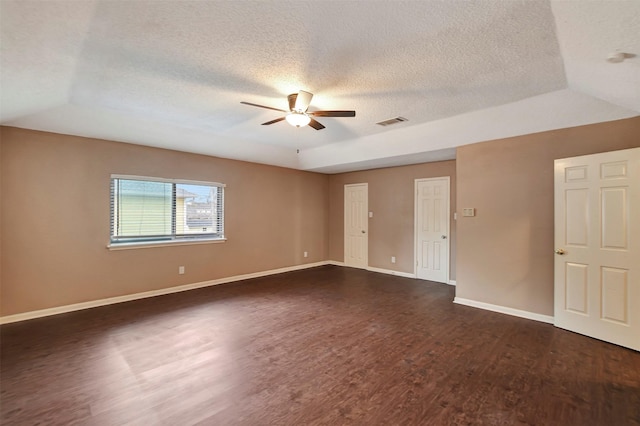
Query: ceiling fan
x=298, y=115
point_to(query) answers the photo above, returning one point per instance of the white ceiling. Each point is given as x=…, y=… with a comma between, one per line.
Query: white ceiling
x=172, y=74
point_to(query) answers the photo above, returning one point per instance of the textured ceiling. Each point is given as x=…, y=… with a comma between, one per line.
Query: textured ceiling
x=172, y=74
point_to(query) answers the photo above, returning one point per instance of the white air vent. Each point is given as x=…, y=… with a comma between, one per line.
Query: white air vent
x=391, y=121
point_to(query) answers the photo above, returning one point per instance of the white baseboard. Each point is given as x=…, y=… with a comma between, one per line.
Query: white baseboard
x=378, y=270
x=504, y=310
x=391, y=272
x=452, y=282
x=129, y=297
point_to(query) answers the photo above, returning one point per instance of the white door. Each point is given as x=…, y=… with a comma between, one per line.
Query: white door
x=356, y=225
x=432, y=229
x=597, y=245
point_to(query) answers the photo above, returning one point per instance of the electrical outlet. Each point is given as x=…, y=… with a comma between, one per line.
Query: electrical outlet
x=393, y=259
x=306, y=254
x=180, y=270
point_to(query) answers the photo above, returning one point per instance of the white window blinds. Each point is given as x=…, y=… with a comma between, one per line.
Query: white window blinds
x=152, y=209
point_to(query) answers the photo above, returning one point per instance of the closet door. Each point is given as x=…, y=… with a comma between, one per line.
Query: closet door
x=597, y=246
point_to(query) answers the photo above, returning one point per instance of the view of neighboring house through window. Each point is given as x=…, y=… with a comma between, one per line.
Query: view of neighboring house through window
x=153, y=209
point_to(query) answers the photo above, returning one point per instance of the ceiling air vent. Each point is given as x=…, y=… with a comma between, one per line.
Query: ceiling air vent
x=391, y=121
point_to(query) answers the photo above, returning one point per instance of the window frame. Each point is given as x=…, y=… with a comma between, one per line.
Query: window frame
x=165, y=239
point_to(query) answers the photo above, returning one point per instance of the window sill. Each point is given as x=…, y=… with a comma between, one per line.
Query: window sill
x=149, y=244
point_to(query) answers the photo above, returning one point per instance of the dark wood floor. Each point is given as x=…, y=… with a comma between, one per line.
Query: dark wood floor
x=325, y=346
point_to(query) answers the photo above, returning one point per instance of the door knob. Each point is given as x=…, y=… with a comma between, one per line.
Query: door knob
x=363, y=232
x=560, y=251
x=444, y=237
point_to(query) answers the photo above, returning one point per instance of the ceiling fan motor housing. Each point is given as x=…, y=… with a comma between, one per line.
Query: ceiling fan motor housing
x=292, y=101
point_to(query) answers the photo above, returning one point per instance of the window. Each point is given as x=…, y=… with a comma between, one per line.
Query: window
x=154, y=210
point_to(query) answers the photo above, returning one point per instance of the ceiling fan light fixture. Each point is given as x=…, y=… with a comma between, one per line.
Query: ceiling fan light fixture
x=298, y=119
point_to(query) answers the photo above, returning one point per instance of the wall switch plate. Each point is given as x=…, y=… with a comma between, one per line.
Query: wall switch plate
x=468, y=212
x=393, y=259
x=306, y=254
x=180, y=270
x=370, y=214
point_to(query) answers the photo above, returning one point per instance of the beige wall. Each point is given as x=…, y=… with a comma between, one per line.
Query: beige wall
x=55, y=220
x=55, y=256
x=391, y=199
x=505, y=253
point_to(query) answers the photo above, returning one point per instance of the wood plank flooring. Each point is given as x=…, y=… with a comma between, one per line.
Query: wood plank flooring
x=324, y=346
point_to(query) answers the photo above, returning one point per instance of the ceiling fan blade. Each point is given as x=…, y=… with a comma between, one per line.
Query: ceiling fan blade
x=273, y=121
x=313, y=123
x=333, y=113
x=262, y=106
x=303, y=100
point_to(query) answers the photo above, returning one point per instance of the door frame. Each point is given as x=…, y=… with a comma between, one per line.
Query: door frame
x=415, y=224
x=344, y=230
